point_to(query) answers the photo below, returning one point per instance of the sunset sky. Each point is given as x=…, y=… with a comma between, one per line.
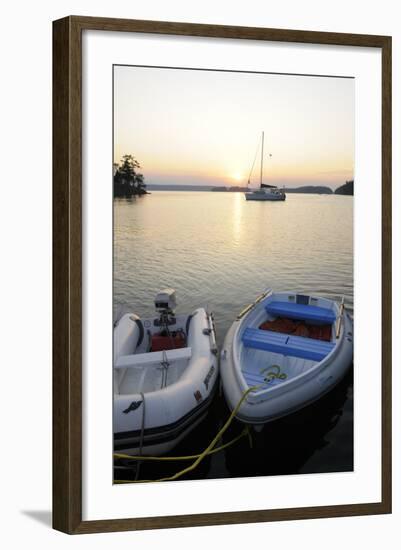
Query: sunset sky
x=204, y=127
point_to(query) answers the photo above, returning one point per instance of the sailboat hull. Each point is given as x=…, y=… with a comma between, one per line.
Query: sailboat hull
x=257, y=196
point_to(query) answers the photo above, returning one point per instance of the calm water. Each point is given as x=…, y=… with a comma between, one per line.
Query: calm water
x=219, y=251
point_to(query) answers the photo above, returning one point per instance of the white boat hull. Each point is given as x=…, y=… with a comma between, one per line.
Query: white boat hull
x=288, y=396
x=152, y=414
x=264, y=197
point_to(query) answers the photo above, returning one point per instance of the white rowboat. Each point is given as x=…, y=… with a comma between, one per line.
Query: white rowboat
x=292, y=348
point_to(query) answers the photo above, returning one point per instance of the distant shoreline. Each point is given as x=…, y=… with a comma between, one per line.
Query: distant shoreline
x=304, y=190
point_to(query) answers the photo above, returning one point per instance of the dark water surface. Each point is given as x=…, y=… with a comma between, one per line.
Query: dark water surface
x=220, y=252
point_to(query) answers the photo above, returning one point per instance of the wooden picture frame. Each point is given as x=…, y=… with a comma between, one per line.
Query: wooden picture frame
x=67, y=273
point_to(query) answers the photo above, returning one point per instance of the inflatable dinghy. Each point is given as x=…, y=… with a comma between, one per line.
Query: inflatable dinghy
x=165, y=373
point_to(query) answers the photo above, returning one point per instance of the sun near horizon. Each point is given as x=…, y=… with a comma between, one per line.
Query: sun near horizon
x=198, y=127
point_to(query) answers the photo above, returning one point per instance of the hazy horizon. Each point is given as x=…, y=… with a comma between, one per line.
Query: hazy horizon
x=197, y=127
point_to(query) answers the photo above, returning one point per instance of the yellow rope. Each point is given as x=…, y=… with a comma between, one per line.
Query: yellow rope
x=271, y=375
x=205, y=452
x=188, y=457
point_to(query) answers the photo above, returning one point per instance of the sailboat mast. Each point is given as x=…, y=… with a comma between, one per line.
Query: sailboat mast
x=261, y=160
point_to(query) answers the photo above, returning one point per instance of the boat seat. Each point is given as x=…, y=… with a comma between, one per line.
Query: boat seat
x=266, y=340
x=152, y=358
x=301, y=311
x=293, y=346
x=309, y=348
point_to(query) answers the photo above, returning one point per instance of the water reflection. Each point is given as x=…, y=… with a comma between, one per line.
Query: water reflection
x=238, y=204
x=216, y=249
x=288, y=445
x=318, y=439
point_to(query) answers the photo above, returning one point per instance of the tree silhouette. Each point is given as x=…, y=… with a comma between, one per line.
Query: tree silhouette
x=127, y=181
x=346, y=189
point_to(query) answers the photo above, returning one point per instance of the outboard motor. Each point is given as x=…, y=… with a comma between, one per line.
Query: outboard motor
x=165, y=304
x=165, y=300
x=169, y=337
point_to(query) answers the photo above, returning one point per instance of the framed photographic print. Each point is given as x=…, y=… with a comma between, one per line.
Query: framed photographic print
x=222, y=274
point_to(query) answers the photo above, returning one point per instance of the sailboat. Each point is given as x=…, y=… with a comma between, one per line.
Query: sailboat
x=265, y=192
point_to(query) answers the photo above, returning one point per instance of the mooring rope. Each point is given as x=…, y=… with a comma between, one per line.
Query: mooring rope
x=208, y=449
x=141, y=436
